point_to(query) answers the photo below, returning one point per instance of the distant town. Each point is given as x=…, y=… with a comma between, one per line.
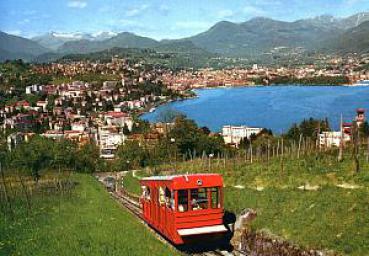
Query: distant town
x=107, y=113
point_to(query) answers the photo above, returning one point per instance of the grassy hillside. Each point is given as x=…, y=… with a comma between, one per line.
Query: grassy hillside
x=86, y=222
x=328, y=211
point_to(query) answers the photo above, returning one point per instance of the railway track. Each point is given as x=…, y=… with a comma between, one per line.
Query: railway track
x=133, y=206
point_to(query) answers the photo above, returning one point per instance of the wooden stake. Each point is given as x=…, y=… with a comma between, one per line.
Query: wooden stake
x=340, y=153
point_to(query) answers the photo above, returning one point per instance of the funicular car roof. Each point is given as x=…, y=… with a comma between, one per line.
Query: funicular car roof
x=189, y=180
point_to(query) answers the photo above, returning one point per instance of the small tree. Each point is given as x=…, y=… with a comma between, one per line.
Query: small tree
x=364, y=129
x=88, y=156
x=131, y=155
x=32, y=156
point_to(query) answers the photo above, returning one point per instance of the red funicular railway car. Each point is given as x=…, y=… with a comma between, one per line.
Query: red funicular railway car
x=184, y=208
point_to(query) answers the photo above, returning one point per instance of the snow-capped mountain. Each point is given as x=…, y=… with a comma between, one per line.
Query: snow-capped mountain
x=103, y=35
x=54, y=40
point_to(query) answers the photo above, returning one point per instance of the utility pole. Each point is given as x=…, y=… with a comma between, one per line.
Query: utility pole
x=340, y=153
x=355, y=140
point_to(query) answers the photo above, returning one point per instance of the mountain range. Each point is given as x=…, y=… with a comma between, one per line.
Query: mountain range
x=54, y=40
x=254, y=37
x=12, y=47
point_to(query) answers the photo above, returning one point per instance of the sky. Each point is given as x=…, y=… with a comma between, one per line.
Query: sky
x=159, y=19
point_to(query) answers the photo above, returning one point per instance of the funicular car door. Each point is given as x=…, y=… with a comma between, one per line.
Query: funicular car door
x=162, y=211
x=169, y=211
x=153, y=206
x=145, y=201
x=166, y=212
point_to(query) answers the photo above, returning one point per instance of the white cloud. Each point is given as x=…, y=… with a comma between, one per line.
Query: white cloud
x=192, y=25
x=125, y=22
x=77, y=4
x=14, y=32
x=350, y=2
x=225, y=14
x=137, y=11
x=24, y=21
x=133, y=26
x=253, y=11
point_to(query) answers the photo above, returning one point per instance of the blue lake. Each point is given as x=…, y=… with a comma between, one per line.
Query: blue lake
x=276, y=108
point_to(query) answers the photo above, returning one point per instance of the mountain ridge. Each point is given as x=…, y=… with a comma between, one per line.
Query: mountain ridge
x=19, y=47
x=254, y=37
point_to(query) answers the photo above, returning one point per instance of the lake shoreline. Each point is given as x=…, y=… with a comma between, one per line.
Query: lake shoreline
x=193, y=90
x=272, y=107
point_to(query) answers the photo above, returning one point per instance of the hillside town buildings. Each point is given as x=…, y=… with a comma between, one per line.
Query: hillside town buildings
x=103, y=111
x=85, y=112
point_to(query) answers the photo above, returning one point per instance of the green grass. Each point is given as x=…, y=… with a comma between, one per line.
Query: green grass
x=132, y=184
x=87, y=222
x=331, y=218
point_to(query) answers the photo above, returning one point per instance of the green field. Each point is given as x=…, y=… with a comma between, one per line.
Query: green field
x=85, y=222
x=323, y=215
x=131, y=184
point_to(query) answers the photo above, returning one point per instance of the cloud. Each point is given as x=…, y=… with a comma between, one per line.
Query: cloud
x=137, y=11
x=192, y=25
x=14, y=32
x=253, y=11
x=125, y=22
x=77, y=4
x=24, y=21
x=351, y=2
x=225, y=14
x=133, y=26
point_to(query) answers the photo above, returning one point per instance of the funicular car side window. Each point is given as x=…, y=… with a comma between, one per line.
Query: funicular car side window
x=199, y=199
x=169, y=200
x=161, y=196
x=215, y=202
x=146, y=193
x=182, y=200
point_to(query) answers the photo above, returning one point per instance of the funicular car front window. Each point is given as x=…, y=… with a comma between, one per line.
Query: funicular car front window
x=182, y=200
x=199, y=199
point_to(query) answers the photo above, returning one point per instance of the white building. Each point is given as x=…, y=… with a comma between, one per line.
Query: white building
x=234, y=134
x=42, y=104
x=118, y=119
x=36, y=88
x=109, y=140
x=332, y=139
x=78, y=126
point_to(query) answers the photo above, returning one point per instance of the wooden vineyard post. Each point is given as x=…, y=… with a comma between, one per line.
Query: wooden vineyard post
x=340, y=153
x=367, y=154
x=282, y=155
x=355, y=140
x=298, y=151
x=6, y=194
x=251, y=152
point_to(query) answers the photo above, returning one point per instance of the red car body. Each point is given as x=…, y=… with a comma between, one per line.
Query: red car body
x=184, y=207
